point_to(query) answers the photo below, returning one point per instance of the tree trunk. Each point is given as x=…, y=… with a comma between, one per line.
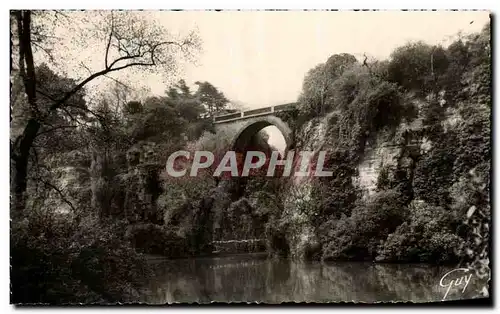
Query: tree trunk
x=21, y=151
x=21, y=159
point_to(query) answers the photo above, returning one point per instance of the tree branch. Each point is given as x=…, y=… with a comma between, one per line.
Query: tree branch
x=56, y=128
x=61, y=194
x=109, y=41
x=127, y=57
x=110, y=69
x=86, y=67
x=75, y=89
x=88, y=110
x=44, y=50
x=133, y=64
x=118, y=82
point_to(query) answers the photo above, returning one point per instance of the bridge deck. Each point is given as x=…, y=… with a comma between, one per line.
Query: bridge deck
x=253, y=113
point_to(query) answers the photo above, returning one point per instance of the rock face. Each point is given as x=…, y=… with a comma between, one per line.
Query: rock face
x=295, y=234
x=386, y=152
x=394, y=151
x=163, y=219
x=375, y=159
x=141, y=192
x=141, y=187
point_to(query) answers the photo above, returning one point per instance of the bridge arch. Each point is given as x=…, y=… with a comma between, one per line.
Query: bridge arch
x=245, y=124
x=254, y=125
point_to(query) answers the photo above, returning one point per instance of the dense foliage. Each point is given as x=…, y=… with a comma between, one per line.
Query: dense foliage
x=97, y=198
x=92, y=198
x=434, y=104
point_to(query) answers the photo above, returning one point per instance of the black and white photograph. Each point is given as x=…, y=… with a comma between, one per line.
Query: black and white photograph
x=163, y=157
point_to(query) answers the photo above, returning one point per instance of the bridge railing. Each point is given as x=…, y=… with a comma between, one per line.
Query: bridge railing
x=257, y=111
x=283, y=107
x=227, y=117
x=254, y=112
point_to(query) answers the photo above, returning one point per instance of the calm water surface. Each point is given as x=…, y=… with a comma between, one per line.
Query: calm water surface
x=255, y=278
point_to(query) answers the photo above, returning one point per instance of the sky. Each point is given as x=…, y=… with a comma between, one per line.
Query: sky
x=259, y=58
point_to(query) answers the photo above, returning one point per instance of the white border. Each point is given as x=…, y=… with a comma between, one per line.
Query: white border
x=191, y=4
x=259, y=4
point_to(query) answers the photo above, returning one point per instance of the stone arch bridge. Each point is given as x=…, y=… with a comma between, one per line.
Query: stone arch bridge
x=245, y=124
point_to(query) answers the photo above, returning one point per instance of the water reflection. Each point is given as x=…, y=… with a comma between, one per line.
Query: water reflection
x=254, y=278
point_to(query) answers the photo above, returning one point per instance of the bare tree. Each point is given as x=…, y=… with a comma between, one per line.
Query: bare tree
x=131, y=41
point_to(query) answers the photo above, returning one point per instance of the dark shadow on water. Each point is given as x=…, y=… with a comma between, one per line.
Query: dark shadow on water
x=253, y=277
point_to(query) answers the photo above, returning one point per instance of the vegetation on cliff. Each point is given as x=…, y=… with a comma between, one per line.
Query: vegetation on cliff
x=434, y=104
x=91, y=197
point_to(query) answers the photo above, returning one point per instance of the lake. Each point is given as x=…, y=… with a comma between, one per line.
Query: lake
x=256, y=278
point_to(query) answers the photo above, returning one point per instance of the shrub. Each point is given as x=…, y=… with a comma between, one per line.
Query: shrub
x=416, y=66
x=335, y=195
x=154, y=239
x=317, y=98
x=58, y=260
x=357, y=236
x=427, y=236
x=434, y=173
